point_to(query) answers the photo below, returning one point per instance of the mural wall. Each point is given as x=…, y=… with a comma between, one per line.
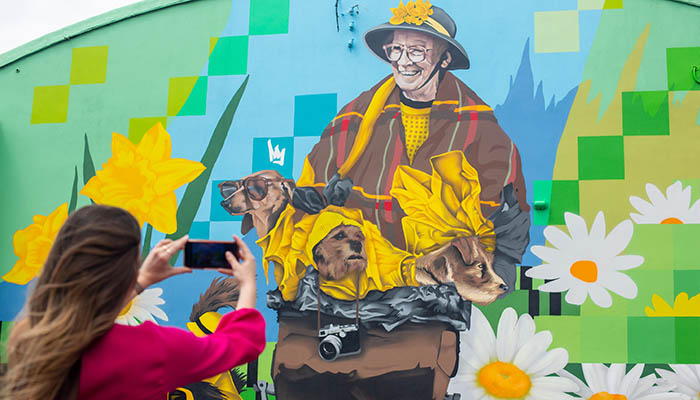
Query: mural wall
x=473, y=200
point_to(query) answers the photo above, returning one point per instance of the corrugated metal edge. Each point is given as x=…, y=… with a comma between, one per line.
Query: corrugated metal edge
x=85, y=26
x=695, y=3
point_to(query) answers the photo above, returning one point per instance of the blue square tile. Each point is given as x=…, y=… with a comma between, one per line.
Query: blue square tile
x=217, y=212
x=313, y=112
x=199, y=230
x=12, y=299
x=302, y=148
x=224, y=230
x=274, y=153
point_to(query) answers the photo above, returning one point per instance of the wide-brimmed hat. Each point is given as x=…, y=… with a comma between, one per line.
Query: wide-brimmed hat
x=419, y=16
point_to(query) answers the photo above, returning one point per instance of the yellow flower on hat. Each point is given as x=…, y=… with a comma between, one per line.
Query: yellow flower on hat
x=400, y=13
x=32, y=245
x=415, y=12
x=142, y=179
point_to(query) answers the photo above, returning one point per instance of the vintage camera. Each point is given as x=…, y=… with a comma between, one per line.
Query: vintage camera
x=338, y=340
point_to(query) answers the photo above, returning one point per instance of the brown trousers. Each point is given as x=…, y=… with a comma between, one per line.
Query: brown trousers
x=414, y=361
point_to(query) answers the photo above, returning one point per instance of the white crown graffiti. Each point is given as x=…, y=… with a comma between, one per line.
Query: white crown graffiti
x=276, y=155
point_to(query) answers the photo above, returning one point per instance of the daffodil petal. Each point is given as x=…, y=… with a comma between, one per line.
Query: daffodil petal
x=163, y=213
x=22, y=237
x=20, y=274
x=92, y=189
x=155, y=145
x=123, y=149
x=174, y=173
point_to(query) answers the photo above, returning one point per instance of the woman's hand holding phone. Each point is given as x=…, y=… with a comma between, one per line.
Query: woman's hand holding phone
x=156, y=267
x=244, y=272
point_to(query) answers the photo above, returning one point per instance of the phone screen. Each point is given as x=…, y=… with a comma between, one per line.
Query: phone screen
x=208, y=254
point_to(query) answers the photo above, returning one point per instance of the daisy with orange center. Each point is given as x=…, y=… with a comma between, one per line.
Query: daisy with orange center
x=673, y=208
x=142, y=179
x=612, y=383
x=587, y=263
x=32, y=245
x=513, y=364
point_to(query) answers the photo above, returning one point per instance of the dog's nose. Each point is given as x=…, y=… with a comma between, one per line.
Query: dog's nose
x=355, y=246
x=503, y=287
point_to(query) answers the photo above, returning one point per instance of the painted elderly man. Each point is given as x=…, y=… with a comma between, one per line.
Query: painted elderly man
x=419, y=171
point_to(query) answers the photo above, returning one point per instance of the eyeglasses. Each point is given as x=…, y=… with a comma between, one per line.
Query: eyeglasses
x=255, y=187
x=415, y=53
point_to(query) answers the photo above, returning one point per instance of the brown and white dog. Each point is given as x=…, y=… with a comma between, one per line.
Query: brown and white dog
x=341, y=252
x=464, y=261
x=261, y=214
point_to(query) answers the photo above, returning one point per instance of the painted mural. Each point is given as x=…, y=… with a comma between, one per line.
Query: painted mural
x=447, y=200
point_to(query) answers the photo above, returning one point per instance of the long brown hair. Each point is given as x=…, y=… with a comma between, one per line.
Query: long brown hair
x=81, y=289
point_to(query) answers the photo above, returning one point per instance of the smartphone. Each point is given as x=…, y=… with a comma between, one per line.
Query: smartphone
x=208, y=253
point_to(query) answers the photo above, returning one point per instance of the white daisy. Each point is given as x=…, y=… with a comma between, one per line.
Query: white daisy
x=587, y=263
x=513, y=364
x=143, y=308
x=686, y=379
x=613, y=384
x=674, y=208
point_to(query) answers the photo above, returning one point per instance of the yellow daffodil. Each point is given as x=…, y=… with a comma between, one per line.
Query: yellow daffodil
x=400, y=14
x=683, y=307
x=32, y=245
x=414, y=12
x=142, y=179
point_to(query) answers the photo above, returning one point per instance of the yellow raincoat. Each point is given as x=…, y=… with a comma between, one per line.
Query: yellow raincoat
x=291, y=251
x=442, y=206
x=439, y=207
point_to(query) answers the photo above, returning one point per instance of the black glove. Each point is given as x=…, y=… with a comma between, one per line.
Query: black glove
x=512, y=227
x=337, y=190
x=307, y=198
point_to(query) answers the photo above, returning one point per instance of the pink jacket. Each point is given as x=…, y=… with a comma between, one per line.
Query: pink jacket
x=148, y=361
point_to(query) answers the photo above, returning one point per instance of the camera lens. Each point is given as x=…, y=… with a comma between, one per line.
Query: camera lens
x=329, y=348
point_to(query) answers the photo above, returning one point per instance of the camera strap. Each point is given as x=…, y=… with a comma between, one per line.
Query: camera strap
x=357, y=303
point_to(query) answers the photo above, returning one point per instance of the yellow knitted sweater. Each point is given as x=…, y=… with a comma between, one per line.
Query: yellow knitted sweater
x=416, y=124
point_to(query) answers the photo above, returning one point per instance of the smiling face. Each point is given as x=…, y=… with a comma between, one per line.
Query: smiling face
x=411, y=76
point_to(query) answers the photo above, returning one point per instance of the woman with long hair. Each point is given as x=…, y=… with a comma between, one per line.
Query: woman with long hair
x=67, y=345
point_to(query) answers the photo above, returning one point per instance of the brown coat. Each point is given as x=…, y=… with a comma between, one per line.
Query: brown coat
x=459, y=119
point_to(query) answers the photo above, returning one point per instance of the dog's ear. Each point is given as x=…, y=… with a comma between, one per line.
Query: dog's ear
x=318, y=254
x=247, y=223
